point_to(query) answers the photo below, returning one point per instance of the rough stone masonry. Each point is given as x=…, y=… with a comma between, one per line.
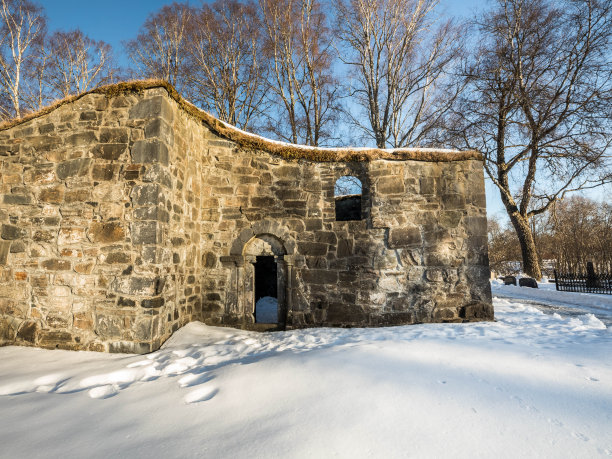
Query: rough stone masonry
x=126, y=213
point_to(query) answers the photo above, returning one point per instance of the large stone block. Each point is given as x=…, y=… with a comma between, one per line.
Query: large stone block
x=135, y=285
x=390, y=185
x=143, y=329
x=83, y=321
x=8, y=329
x=343, y=313
x=114, y=135
x=12, y=232
x=28, y=331
x=476, y=225
x=160, y=129
x=118, y=257
x=56, y=264
x=81, y=139
x=157, y=302
x=53, y=339
x=146, y=232
x=4, y=251
x=312, y=248
x=427, y=185
x=44, y=143
x=404, y=237
x=450, y=218
x=151, y=213
x=109, y=326
x=52, y=194
x=453, y=201
x=150, y=151
x=42, y=174
x=109, y=151
x=17, y=199
x=67, y=236
x=104, y=172
x=153, y=107
x=319, y=276
x=16, y=305
x=73, y=167
x=146, y=195
x=477, y=311
x=108, y=232
x=262, y=201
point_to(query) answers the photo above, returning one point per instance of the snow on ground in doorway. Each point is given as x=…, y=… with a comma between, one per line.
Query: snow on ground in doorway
x=266, y=310
x=529, y=385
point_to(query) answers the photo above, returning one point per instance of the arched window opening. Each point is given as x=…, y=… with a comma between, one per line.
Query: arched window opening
x=347, y=194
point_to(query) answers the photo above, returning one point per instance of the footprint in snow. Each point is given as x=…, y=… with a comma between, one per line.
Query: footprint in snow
x=555, y=422
x=580, y=436
x=590, y=378
x=141, y=363
x=201, y=395
x=102, y=392
x=45, y=384
x=194, y=379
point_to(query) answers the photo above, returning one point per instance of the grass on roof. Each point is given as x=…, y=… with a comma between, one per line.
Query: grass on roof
x=248, y=141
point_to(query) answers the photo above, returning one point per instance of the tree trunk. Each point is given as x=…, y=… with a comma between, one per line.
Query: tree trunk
x=531, y=264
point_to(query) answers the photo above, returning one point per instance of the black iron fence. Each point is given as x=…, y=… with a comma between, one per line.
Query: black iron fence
x=591, y=282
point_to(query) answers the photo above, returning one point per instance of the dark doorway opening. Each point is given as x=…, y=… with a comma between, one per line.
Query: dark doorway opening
x=266, y=290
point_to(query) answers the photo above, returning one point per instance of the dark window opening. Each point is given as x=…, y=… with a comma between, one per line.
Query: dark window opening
x=266, y=290
x=348, y=208
x=347, y=194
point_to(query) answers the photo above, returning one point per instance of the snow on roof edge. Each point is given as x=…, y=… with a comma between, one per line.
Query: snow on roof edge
x=249, y=140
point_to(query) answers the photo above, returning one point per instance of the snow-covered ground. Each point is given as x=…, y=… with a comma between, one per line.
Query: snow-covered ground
x=548, y=299
x=532, y=384
x=266, y=310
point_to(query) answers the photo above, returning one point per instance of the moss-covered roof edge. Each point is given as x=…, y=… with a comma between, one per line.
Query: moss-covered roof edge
x=252, y=141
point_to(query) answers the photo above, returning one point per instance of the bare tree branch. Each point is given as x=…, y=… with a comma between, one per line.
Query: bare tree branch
x=538, y=105
x=399, y=59
x=158, y=50
x=22, y=24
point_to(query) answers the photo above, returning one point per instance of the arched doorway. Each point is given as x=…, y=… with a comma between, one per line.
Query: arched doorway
x=265, y=280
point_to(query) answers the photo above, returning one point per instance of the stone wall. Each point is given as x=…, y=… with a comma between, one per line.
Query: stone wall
x=124, y=217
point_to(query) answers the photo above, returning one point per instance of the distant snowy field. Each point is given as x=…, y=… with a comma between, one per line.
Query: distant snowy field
x=532, y=384
x=547, y=298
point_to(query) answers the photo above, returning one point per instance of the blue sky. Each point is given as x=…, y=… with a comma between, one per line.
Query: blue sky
x=114, y=21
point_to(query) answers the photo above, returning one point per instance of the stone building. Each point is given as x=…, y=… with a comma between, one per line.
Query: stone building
x=126, y=213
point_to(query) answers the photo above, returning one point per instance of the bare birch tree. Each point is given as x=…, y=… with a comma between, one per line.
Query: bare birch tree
x=302, y=85
x=23, y=23
x=75, y=63
x=398, y=56
x=538, y=105
x=35, y=92
x=159, y=49
x=227, y=70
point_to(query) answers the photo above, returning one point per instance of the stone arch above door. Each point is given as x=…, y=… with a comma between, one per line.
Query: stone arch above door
x=264, y=244
x=264, y=229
